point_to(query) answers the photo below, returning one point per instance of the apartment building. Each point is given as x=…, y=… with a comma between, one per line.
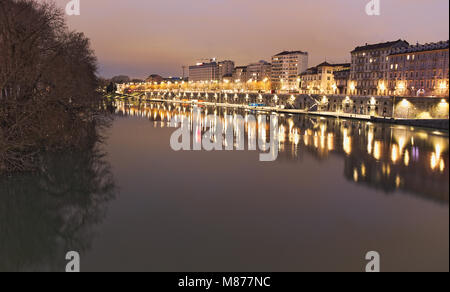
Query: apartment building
x=211, y=71
x=320, y=79
x=240, y=74
x=225, y=68
x=286, y=68
x=259, y=71
x=341, y=78
x=204, y=72
x=419, y=70
x=370, y=68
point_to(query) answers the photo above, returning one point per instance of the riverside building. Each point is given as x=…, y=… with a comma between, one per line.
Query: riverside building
x=420, y=70
x=370, y=68
x=320, y=79
x=286, y=67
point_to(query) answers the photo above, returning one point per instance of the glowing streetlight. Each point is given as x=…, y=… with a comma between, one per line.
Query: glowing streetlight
x=352, y=86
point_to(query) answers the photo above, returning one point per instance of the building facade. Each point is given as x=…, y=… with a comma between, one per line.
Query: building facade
x=259, y=71
x=211, y=71
x=370, y=68
x=240, y=74
x=341, y=77
x=420, y=70
x=286, y=67
x=225, y=68
x=320, y=79
x=204, y=72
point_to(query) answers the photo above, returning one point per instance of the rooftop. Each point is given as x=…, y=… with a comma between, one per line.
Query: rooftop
x=387, y=45
x=315, y=70
x=285, y=53
x=422, y=48
x=326, y=64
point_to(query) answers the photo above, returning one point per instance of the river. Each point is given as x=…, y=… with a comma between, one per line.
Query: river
x=337, y=190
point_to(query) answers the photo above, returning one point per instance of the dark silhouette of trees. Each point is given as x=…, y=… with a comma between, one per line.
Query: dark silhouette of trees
x=48, y=83
x=111, y=88
x=120, y=79
x=45, y=214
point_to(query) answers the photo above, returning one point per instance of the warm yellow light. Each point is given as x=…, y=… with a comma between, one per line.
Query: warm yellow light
x=407, y=158
x=434, y=161
x=438, y=151
x=330, y=142
x=395, y=153
x=405, y=103
x=355, y=175
x=347, y=143
x=398, y=181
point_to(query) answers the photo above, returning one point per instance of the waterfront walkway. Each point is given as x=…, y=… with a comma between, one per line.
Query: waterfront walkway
x=442, y=124
x=272, y=109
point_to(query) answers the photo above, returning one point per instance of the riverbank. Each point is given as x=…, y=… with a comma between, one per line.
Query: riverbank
x=438, y=124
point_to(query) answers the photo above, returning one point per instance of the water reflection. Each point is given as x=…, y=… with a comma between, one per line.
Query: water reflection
x=46, y=214
x=379, y=156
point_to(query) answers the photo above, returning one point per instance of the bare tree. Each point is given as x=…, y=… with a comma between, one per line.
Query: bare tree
x=48, y=83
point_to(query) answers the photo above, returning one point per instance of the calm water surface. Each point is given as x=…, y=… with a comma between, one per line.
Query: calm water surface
x=338, y=189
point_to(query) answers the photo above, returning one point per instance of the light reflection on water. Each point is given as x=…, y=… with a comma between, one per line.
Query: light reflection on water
x=380, y=156
x=136, y=205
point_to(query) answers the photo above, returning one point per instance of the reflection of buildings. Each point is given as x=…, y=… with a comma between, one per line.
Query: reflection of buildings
x=378, y=155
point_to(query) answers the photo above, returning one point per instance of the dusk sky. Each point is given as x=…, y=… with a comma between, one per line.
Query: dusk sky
x=142, y=37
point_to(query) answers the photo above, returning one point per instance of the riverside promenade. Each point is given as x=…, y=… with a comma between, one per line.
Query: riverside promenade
x=436, y=123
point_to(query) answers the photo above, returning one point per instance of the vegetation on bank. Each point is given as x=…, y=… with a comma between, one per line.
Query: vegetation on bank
x=48, y=85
